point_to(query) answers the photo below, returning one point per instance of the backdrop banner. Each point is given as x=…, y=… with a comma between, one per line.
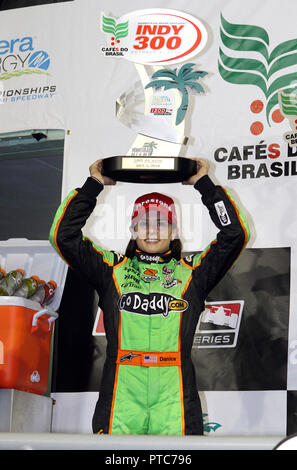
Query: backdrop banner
x=119, y=79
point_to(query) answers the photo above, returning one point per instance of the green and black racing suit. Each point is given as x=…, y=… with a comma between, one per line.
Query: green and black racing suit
x=151, y=304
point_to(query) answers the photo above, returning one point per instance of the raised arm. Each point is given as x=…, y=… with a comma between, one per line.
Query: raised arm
x=212, y=264
x=66, y=232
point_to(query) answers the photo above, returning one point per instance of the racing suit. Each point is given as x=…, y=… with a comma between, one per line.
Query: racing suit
x=151, y=304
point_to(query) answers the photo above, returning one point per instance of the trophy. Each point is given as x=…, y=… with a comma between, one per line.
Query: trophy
x=157, y=106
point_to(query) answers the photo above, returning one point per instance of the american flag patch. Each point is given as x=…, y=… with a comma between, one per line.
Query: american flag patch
x=150, y=358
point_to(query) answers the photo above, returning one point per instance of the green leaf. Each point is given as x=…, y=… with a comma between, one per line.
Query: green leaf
x=185, y=69
x=165, y=73
x=201, y=73
x=283, y=62
x=243, y=64
x=122, y=26
x=244, y=45
x=193, y=76
x=243, y=78
x=242, y=30
x=281, y=82
x=108, y=25
x=273, y=101
x=121, y=34
x=194, y=85
x=108, y=21
x=108, y=29
x=283, y=48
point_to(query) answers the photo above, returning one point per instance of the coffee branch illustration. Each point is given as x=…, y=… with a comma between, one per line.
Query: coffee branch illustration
x=261, y=70
x=117, y=30
x=181, y=80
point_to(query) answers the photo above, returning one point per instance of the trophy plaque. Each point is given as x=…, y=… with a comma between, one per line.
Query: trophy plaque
x=153, y=169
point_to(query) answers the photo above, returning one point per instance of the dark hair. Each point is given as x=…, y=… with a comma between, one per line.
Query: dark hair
x=175, y=247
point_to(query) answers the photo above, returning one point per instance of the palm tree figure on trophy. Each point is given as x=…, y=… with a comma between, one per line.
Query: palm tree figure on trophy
x=150, y=146
x=183, y=79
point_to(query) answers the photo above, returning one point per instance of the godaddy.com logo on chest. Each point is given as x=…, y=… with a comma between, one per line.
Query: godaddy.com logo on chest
x=19, y=57
x=154, y=303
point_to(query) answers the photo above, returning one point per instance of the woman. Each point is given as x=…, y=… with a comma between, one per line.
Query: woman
x=151, y=299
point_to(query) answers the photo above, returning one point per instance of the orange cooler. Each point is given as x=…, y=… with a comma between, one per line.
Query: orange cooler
x=25, y=344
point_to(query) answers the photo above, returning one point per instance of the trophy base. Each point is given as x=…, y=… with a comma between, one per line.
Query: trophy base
x=143, y=169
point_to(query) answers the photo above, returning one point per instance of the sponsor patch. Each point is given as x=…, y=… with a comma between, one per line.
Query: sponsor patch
x=218, y=325
x=150, y=275
x=128, y=357
x=222, y=213
x=155, y=303
x=169, y=282
x=150, y=359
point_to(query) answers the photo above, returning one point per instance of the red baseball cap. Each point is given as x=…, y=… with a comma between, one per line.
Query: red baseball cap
x=154, y=201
